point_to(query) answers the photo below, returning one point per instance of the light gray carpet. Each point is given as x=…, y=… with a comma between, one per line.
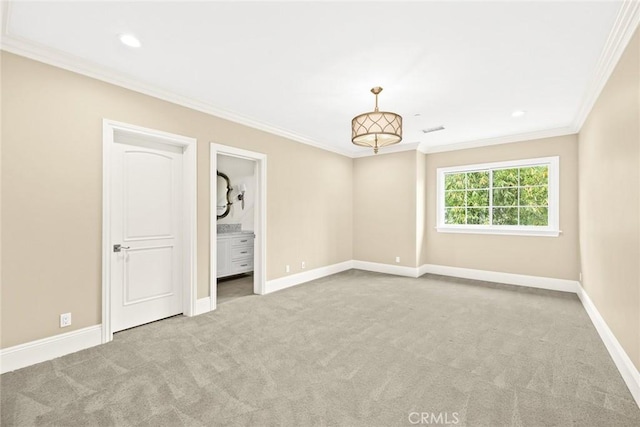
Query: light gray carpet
x=351, y=349
x=234, y=287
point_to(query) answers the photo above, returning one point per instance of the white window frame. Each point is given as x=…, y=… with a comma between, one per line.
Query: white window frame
x=551, y=230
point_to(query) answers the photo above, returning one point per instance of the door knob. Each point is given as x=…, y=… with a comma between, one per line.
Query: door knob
x=118, y=248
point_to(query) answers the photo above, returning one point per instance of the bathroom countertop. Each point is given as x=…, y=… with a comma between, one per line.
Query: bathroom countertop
x=236, y=233
x=232, y=230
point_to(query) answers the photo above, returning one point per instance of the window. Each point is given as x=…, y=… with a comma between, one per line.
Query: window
x=516, y=197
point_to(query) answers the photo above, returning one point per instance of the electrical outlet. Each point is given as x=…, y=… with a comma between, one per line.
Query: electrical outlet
x=65, y=320
x=397, y=259
x=303, y=265
x=287, y=269
x=580, y=278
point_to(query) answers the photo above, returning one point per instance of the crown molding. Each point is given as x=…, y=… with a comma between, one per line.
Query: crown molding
x=47, y=55
x=506, y=139
x=398, y=148
x=623, y=29
x=77, y=65
x=86, y=68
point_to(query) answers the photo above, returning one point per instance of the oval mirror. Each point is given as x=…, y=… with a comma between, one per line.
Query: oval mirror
x=223, y=204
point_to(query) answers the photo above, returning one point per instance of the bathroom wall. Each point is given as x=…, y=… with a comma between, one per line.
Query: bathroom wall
x=239, y=171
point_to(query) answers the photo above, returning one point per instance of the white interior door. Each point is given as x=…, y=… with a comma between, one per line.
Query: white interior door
x=146, y=216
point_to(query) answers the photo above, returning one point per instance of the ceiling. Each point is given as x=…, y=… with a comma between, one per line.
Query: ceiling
x=304, y=69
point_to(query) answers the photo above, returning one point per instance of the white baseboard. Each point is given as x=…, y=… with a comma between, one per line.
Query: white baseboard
x=27, y=354
x=499, y=277
x=398, y=270
x=23, y=355
x=203, y=305
x=306, y=276
x=624, y=364
x=622, y=361
x=33, y=352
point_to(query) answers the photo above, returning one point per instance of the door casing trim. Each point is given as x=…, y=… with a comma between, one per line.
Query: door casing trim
x=189, y=205
x=260, y=218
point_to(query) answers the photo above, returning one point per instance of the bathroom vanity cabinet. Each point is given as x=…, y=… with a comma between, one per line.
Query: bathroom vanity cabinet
x=235, y=253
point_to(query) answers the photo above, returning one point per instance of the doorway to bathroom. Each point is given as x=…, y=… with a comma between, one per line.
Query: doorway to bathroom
x=238, y=224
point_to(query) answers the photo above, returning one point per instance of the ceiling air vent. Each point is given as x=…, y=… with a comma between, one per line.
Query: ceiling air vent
x=435, y=129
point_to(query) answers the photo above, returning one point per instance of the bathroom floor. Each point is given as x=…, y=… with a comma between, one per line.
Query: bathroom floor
x=234, y=287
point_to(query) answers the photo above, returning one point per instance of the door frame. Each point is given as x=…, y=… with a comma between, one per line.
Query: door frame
x=260, y=218
x=189, y=206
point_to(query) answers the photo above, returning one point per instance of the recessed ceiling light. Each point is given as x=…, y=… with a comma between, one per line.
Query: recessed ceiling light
x=130, y=40
x=518, y=113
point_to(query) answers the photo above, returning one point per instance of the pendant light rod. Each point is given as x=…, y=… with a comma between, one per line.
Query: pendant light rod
x=376, y=91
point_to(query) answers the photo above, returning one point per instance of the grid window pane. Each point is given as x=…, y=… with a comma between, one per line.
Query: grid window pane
x=505, y=216
x=537, y=216
x=478, y=216
x=478, y=198
x=478, y=179
x=517, y=196
x=505, y=197
x=505, y=178
x=534, y=196
x=455, y=216
x=455, y=181
x=534, y=175
x=454, y=198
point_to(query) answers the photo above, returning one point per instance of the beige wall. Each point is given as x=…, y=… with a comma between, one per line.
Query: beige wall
x=609, y=154
x=323, y=208
x=555, y=257
x=384, y=208
x=52, y=182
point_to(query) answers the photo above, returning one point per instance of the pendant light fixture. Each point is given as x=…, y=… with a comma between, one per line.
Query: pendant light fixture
x=377, y=128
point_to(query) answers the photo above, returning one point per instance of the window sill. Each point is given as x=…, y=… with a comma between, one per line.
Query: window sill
x=508, y=232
